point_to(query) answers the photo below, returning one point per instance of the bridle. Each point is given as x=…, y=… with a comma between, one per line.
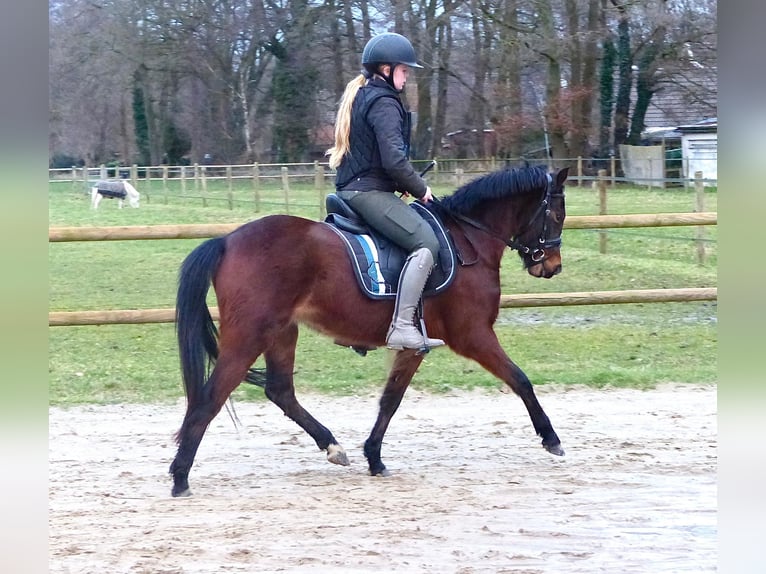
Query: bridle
x=536, y=251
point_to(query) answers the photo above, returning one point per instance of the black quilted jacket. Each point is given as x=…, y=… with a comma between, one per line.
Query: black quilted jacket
x=379, y=142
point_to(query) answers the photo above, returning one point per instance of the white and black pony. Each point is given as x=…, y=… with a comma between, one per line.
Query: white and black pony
x=119, y=190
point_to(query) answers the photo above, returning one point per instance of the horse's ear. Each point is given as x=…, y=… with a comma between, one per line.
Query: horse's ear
x=561, y=176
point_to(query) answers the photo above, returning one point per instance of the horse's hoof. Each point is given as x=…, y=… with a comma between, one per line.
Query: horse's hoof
x=181, y=494
x=380, y=471
x=554, y=449
x=336, y=455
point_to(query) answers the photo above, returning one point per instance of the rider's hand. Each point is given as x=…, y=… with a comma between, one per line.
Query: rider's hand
x=427, y=197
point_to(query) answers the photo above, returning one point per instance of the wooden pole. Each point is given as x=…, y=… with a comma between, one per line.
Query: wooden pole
x=286, y=188
x=165, y=183
x=579, y=171
x=319, y=186
x=601, y=208
x=137, y=316
x=203, y=179
x=230, y=192
x=256, y=188
x=699, y=187
x=203, y=230
x=145, y=194
x=609, y=297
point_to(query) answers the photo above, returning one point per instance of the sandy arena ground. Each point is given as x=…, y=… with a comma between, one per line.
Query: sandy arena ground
x=471, y=490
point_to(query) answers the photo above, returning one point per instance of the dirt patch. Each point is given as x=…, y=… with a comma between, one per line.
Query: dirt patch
x=471, y=489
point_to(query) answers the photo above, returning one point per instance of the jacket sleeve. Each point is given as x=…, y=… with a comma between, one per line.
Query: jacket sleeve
x=386, y=118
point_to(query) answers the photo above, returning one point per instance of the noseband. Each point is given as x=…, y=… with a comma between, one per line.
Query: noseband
x=536, y=252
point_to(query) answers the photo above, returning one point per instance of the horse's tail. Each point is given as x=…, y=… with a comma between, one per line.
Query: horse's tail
x=196, y=332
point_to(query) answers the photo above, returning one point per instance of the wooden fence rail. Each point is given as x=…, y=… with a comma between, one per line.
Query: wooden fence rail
x=139, y=316
x=197, y=231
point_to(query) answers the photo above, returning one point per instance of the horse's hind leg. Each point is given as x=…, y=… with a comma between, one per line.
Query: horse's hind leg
x=280, y=360
x=405, y=366
x=229, y=372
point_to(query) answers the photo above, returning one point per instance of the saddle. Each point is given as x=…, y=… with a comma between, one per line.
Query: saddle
x=377, y=261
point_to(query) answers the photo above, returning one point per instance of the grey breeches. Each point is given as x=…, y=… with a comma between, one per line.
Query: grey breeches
x=394, y=219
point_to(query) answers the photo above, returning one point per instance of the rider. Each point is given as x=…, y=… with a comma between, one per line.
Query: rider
x=372, y=134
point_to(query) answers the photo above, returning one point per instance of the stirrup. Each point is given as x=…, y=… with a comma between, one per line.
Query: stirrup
x=423, y=345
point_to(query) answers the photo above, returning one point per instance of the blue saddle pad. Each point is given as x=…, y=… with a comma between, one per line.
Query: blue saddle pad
x=378, y=262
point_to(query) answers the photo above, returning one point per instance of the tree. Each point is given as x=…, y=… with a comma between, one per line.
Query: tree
x=255, y=79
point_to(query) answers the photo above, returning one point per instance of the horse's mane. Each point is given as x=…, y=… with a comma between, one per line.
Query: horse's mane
x=496, y=185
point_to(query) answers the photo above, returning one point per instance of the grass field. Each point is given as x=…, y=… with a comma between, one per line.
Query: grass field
x=623, y=345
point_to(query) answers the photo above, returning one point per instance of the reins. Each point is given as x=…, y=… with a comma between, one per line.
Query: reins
x=537, y=253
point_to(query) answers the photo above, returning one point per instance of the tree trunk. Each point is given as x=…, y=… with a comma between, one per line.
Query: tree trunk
x=606, y=88
x=575, y=87
x=444, y=50
x=625, y=82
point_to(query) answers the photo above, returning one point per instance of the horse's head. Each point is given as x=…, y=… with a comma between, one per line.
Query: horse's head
x=540, y=242
x=134, y=197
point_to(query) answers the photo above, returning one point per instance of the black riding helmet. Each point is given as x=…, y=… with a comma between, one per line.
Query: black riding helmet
x=388, y=48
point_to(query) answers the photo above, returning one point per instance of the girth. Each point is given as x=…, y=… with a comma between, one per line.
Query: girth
x=377, y=261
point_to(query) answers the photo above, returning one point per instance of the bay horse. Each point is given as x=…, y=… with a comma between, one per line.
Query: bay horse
x=274, y=273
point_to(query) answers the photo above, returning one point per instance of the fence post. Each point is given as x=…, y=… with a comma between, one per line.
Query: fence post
x=183, y=180
x=203, y=173
x=699, y=187
x=196, y=178
x=165, y=183
x=102, y=174
x=613, y=163
x=256, y=188
x=319, y=186
x=230, y=193
x=74, y=177
x=286, y=189
x=146, y=195
x=458, y=176
x=602, y=208
x=579, y=171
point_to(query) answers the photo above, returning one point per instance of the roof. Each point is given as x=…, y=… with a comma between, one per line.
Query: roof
x=705, y=126
x=683, y=97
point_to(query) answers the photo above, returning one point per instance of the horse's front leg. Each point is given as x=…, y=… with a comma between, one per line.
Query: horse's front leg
x=406, y=364
x=485, y=349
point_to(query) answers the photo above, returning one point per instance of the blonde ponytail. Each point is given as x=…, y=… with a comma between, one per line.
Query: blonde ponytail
x=343, y=122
